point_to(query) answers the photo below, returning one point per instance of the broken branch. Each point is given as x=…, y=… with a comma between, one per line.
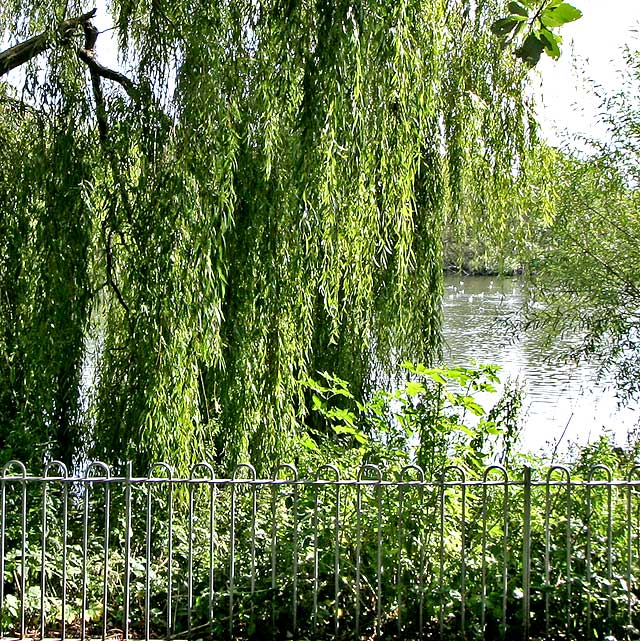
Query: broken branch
x=29, y=49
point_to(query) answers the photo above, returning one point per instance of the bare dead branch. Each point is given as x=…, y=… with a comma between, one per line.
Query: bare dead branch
x=25, y=51
x=96, y=68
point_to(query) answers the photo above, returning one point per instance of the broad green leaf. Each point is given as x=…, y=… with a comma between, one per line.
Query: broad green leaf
x=413, y=388
x=551, y=42
x=469, y=403
x=516, y=9
x=531, y=50
x=465, y=430
x=559, y=15
x=307, y=442
x=504, y=26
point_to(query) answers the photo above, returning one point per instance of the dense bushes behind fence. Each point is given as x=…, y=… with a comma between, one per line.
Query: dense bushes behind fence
x=505, y=555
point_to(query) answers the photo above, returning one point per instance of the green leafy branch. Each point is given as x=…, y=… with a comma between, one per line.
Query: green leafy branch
x=531, y=25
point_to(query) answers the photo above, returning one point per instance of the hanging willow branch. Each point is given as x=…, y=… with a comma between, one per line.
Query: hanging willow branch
x=278, y=193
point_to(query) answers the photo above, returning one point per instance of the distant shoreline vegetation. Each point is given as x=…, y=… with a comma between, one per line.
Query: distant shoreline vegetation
x=482, y=270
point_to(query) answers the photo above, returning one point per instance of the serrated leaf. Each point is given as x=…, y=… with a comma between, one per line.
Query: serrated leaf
x=414, y=388
x=469, y=403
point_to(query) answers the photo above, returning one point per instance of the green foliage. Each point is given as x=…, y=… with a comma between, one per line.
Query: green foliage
x=531, y=26
x=584, y=278
x=265, y=201
x=286, y=530
x=435, y=419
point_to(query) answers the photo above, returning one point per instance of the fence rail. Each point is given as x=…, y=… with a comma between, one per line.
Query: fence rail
x=501, y=556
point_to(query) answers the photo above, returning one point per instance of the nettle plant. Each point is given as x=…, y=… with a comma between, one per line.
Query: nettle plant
x=435, y=419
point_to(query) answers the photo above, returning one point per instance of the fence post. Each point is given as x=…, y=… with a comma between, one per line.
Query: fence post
x=526, y=554
x=127, y=549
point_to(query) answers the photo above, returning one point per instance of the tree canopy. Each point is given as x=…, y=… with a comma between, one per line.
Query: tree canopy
x=257, y=193
x=585, y=280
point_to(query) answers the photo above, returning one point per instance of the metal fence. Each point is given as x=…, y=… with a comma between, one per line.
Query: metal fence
x=522, y=555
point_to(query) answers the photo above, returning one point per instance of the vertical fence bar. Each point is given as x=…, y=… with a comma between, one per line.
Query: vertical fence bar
x=285, y=467
x=170, y=626
x=441, y=598
x=151, y=478
x=23, y=536
x=147, y=559
x=463, y=557
x=484, y=554
x=336, y=544
x=194, y=482
x=212, y=551
x=505, y=554
x=588, y=554
x=232, y=557
x=274, y=547
x=314, y=611
x=190, y=552
x=254, y=513
x=547, y=550
x=23, y=551
x=105, y=574
x=405, y=479
x=65, y=525
x=89, y=479
x=461, y=482
x=294, y=597
x=359, y=551
x=363, y=473
x=505, y=518
x=635, y=470
x=336, y=562
x=3, y=517
x=609, y=536
x=569, y=578
x=399, y=572
x=43, y=559
x=127, y=549
x=609, y=544
x=379, y=555
x=232, y=560
x=43, y=556
x=526, y=554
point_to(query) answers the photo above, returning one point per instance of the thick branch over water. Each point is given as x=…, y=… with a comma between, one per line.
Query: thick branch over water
x=29, y=49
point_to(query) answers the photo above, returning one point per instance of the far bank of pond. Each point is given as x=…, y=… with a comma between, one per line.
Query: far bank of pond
x=561, y=397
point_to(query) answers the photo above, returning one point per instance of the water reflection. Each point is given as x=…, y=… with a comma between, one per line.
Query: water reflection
x=563, y=401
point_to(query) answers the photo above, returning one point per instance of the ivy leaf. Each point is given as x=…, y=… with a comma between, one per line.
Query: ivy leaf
x=531, y=50
x=503, y=27
x=516, y=9
x=559, y=15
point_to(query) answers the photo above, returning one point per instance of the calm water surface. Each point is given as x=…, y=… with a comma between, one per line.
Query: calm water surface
x=563, y=402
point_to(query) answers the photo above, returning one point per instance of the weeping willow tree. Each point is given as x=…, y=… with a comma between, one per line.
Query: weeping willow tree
x=256, y=192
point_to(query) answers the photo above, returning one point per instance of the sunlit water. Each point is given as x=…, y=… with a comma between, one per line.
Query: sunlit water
x=564, y=403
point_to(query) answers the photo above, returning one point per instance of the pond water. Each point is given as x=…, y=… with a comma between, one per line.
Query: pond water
x=564, y=403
